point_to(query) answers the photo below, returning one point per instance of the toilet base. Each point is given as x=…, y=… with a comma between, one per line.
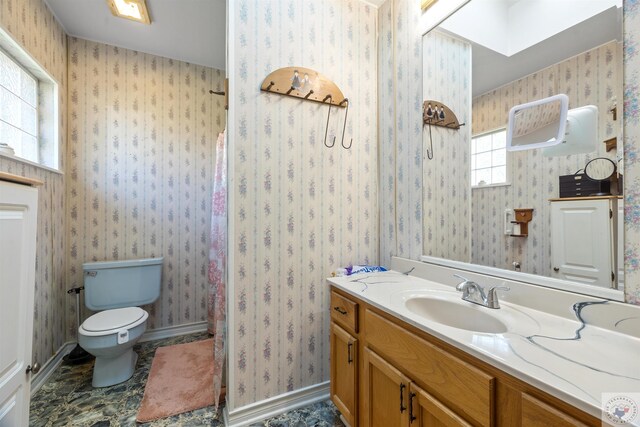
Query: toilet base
x=109, y=371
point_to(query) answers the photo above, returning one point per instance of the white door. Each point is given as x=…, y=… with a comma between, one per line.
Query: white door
x=18, y=210
x=581, y=241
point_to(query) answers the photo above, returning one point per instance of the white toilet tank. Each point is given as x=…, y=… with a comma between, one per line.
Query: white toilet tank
x=116, y=284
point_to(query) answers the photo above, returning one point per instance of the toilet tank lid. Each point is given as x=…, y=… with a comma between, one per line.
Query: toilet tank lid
x=118, y=264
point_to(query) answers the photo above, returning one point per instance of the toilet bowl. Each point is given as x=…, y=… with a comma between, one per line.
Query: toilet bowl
x=110, y=336
x=116, y=289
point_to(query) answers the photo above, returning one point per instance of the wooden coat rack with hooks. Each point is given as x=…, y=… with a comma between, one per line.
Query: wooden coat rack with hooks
x=309, y=85
x=304, y=83
x=441, y=115
x=435, y=113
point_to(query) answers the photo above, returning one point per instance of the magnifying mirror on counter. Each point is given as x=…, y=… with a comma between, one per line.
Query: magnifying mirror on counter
x=601, y=169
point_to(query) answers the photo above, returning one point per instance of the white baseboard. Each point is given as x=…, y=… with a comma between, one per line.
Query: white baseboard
x=50, y=366
x=173, y=331
x=277, y=405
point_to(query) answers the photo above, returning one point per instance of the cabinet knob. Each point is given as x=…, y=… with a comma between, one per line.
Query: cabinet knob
x=556, y=269
x=33, y=369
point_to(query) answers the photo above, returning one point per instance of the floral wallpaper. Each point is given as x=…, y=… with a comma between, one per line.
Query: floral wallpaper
x=447, y=199
x=632, y=149
x=140, y=161
x=300, y=209
x=591, y=78
x=31, y=23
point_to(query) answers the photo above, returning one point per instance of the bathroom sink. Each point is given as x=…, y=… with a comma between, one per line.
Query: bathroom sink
x=461, y=315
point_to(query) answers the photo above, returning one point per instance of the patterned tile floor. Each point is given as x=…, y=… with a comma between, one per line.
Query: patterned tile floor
x=68, y=399
x=321, y=414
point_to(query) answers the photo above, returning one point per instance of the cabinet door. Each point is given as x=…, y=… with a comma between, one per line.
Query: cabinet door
x=344, y=368
x=426, y=411
x=386, y=393
x=581, y=241
x=536, y=413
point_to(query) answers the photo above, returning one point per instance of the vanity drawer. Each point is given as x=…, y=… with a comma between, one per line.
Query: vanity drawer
x=344, y=311
x=461, y=386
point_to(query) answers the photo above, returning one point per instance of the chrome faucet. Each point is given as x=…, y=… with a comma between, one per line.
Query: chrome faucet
x=473, y=292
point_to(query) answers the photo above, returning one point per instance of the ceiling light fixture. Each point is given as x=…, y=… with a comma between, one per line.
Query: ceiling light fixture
x=135, y=10
x=426, y=4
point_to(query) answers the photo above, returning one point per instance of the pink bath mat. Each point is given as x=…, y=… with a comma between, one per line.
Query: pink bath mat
x=180, y=380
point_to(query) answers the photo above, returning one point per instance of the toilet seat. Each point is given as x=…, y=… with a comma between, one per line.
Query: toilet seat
x=109, y=322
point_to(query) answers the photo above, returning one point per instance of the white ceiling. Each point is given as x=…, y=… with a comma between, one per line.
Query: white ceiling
x=492, y=69
x=187, y=30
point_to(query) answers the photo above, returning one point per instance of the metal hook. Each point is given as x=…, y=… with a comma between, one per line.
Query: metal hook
x=269, y=87
x=430, y=151
x=291, y=89
x=309, y=94
x=326, y=130
x=344, y=128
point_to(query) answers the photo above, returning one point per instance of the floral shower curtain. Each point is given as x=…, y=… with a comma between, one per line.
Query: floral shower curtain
x=216, y=310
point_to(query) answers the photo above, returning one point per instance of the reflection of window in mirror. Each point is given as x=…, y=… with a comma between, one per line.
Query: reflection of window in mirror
x=489, y=158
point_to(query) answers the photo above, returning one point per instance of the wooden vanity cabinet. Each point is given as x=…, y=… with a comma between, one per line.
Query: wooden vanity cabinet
x=394, y=374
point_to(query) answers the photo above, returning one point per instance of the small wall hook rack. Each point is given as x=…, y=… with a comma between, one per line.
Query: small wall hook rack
x=437, y=114
x=303, y=83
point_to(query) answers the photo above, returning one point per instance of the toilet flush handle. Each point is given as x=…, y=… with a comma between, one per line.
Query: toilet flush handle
x=92, y=273
x=123, y=336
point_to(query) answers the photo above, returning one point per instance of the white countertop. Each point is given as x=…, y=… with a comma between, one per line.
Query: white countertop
x=571, y=360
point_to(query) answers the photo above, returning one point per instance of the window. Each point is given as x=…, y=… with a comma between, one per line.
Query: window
x=18, y=109
x=489, y=158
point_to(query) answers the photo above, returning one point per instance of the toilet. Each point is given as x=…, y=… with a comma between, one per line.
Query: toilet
x=116, y=289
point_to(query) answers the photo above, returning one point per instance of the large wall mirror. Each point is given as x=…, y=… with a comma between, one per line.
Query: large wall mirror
x=535, y=204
